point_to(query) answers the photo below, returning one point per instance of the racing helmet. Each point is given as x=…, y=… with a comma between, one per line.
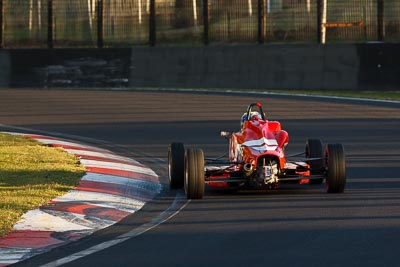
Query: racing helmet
x=254, y=115
x=243, y=119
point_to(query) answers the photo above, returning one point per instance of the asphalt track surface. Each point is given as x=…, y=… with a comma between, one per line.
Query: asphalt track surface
x=291, y=226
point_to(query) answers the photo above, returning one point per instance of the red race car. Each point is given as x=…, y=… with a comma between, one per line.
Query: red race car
x=257, y=160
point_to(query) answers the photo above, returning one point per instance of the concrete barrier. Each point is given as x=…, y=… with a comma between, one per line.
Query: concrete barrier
x=5, y=67
x=69, y=67
x=334, y=67
x=379, y=67
x=268, y=66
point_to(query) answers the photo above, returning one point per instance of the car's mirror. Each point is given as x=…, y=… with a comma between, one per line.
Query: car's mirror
x=225, y=134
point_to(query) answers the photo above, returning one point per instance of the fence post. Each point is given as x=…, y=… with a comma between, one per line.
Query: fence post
x=319, y=21
x=1, y=24
x=100, y=41
x=152, y=23
x=381, y=21
x=205, y=22
x=50, y=24
x=261, y=21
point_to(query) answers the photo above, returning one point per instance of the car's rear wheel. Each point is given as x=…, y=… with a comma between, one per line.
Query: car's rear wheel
x=336, y=171
x=194, y=173
x=176, y=165
x=315, y=149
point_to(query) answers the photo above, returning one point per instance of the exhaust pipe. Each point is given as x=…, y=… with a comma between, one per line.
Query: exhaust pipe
x=248, y=169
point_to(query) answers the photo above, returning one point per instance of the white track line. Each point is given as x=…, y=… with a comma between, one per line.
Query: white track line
x=37, y=220
x=14, y=255
x=102, y=200
x=119, y=180
x=118, y=166
x=249, y=92
x=100, y=155
x=163, y=217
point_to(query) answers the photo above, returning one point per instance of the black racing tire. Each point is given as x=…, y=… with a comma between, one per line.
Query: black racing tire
x=176, y=165
x=336, y=168
x=315, y=149
x=194, y=173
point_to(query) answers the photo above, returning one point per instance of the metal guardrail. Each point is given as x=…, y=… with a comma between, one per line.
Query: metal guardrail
x=117, y=23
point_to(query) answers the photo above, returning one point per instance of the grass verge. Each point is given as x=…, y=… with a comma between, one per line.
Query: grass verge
x=31, y=174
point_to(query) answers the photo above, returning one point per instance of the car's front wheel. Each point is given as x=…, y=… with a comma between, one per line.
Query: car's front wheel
x=336, y=171
x=194, y=173
x=176, y=164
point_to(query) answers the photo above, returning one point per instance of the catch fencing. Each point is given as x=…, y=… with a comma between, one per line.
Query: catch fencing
x=127, y=23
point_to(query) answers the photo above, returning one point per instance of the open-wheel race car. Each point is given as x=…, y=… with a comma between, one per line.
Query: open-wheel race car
x=257, y=160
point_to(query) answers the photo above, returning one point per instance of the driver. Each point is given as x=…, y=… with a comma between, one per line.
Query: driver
x=254, y=115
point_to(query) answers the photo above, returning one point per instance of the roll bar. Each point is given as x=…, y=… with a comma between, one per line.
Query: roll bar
x=250, y=109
